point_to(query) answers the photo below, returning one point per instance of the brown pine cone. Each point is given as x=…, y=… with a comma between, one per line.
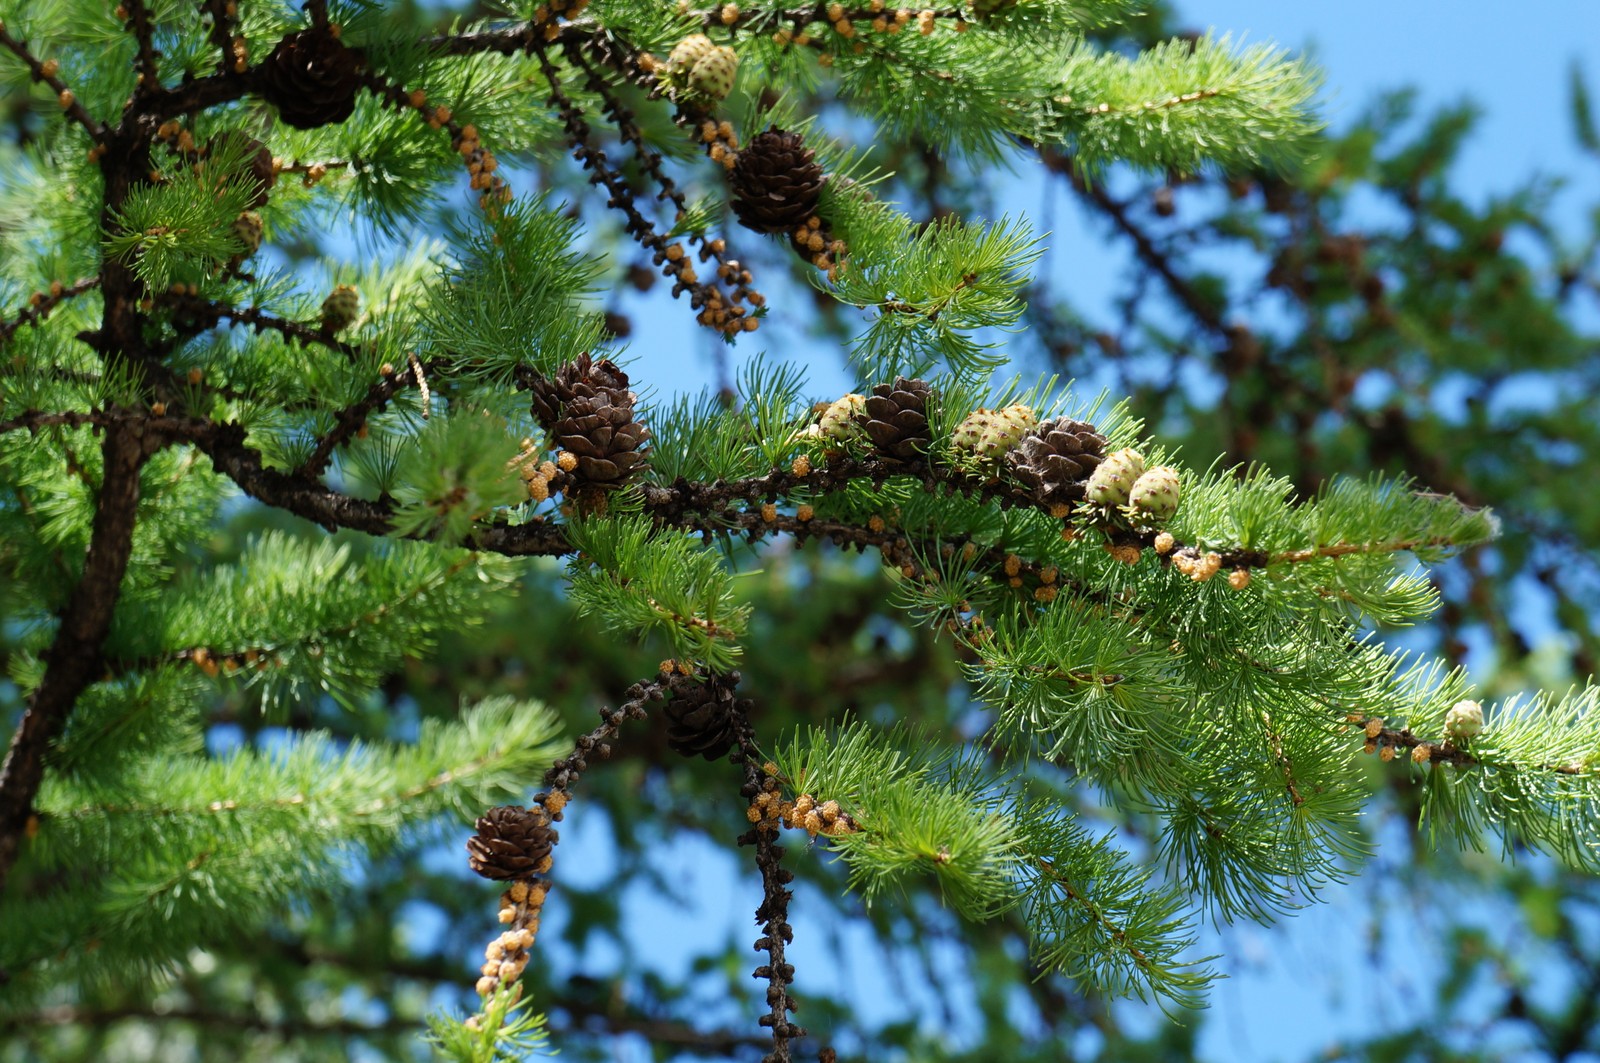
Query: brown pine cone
x=603, y=435
x=581, y=377
x=776, y=182
x=1056, y=458
x=895, y=418
x=311, y=78
x=512, y=842
x=700, y=715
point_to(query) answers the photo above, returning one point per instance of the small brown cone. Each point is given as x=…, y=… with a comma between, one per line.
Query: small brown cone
x=700, y=715
x=511, y=842
x=311, y=78
x=603, y=435
x=776, y=182
x=583, y=377
x=1056, y=459
x=896, y=418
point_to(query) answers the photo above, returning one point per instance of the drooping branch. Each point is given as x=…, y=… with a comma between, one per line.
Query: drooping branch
x=729, y=316
x=41, y=303
x=48, y=72
x=517, y=844
x=717, y=310
x=773, y=912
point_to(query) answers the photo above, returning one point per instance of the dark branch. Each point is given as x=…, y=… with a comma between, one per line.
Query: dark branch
x=194, y=314
x=73, y=659
x=1199, y=307
x=220, y=32
x=33, y=420
x=670, y=257
x=349, y=421
x=224, y=444
x=143, y=31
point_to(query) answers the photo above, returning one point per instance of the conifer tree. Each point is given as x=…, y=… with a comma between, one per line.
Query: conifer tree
x=241, y=486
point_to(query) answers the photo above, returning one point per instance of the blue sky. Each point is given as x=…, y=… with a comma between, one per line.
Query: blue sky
x=1513, y=62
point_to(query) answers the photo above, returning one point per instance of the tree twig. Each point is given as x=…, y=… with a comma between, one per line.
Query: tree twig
x=348, y=421
x=191, y=312
x=773, y=912
x=46, y=70
x=43, y=302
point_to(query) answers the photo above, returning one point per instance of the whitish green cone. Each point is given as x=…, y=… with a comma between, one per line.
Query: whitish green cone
x=1113, y=479
x=839, y=419
x=970, y=430
x=1005, y=430
x=341, y=308
x=990, y=433
x=686, y=53
x=1154, y=495
x=1464, y=720
x=713, y=73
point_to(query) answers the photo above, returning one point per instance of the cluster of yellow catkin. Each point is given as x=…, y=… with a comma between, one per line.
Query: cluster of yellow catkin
x=536, y=474
x=809, y=238
x=1376, y=742
x=884, y=21
x=721, y=141
x=213, y=664
x=1198, y=568
x=805, y=812
x=505, y=958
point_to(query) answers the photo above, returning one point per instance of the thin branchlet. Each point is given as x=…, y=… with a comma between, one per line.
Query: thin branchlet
x=507, y=955
x=41, y=303
x=623, y=118
x=220, y=17
x=669, y=256
x=773, y=912
x=193, y=314
x=348, y=421
x=718, y=16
